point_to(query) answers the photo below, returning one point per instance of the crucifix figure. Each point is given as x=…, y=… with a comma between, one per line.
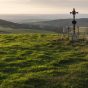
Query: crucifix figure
x=74, y=23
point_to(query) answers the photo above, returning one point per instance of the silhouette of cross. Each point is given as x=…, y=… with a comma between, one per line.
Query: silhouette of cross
x=74, y=21
x=74, y=13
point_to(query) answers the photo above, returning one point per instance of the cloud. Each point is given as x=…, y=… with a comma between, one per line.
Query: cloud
x=42, y=6
x=48, y=3
x=55, y=3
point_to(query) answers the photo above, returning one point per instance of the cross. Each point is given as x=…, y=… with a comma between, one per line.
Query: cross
x=74, y=20
x=74, y=13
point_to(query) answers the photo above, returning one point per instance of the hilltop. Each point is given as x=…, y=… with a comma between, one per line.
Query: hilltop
x=42, y=61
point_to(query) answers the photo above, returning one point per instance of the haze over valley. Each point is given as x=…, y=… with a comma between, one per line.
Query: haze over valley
x=25, y=18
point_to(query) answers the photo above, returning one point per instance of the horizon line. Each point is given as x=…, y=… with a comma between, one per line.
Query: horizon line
x=42, y=14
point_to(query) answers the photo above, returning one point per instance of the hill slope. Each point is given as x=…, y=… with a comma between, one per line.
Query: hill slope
x=11, y=27
x=83, y=22
x=58, y=25
x=42, y=61
x=5, y=23
x=43, y=26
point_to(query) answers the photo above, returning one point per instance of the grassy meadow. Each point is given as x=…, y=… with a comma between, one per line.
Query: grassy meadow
x=37, y=60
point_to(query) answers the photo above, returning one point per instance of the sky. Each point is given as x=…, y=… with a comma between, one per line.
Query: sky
x=42, y=6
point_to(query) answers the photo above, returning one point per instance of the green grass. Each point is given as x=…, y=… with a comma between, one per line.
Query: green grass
x=8, y=30
x=42, y=61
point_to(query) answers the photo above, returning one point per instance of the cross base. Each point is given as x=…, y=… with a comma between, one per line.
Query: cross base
x=74, y=37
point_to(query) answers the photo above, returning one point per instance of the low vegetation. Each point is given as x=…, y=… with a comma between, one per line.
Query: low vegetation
x=42, y=61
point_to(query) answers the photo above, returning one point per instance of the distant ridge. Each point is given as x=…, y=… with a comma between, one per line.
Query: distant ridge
x=64, y=22
x=5, y=23
x=20, y=18
x=53, y=25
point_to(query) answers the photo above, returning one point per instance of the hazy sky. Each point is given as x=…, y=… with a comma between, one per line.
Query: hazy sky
x=42, y=6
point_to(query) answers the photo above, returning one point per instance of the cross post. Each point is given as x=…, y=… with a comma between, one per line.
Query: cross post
x=74, y=22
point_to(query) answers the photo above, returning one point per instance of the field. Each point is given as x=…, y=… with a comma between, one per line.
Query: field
x=42, y=61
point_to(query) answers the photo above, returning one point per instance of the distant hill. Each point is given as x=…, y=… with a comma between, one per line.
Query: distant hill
x=53, y=25
x=59, y=24
x=5, y=23
x=33, y=26
x=64, y=22
x=11, y=27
